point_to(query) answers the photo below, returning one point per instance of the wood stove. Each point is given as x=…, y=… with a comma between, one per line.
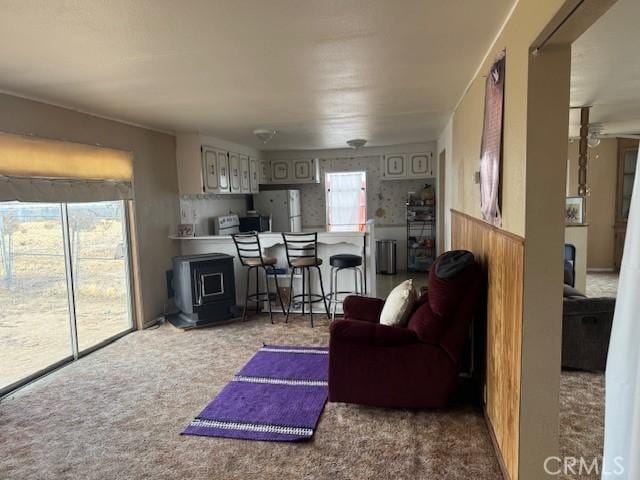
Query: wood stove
x=205, y=289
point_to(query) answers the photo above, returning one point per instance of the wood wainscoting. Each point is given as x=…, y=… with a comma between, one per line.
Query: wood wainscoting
x=501, y=255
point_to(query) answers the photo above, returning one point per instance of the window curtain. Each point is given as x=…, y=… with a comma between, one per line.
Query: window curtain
x=345, y=195
x=491, y=148
x=621, y=460
x=34, y=169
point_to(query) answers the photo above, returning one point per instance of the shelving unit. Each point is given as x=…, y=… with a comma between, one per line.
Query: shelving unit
x=421, y=234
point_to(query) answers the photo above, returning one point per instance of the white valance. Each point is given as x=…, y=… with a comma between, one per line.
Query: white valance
x=35, y=169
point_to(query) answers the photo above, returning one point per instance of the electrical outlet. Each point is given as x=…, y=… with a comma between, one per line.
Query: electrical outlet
x=476, y=177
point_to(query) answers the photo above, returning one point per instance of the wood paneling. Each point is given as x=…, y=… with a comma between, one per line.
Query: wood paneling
x=502, y=256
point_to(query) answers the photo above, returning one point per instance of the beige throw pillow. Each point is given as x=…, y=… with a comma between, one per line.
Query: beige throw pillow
x=399, y=305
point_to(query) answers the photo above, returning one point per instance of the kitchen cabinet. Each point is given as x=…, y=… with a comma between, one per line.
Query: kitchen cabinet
x=305, y=170
x=216, y=171
x=234, y=173
x=265, y=172
x=245, y=180
x=394, y=166
x=280, y=171
x=402, y=166
x=421, y=165
x=203, y=167
x=254, y=175
x=223, y=172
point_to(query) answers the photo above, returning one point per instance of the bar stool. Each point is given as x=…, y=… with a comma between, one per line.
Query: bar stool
x=340, y=262
x=250, y=254
x=302, y=254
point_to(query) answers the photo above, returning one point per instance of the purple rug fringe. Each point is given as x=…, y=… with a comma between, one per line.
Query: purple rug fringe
x=278, y=396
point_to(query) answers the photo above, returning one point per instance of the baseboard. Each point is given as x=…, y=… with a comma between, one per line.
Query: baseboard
x=496, y=447
x=601, y=270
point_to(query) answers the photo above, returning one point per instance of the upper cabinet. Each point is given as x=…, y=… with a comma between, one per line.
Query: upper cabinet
x=306, y=170
x=216, y=170
x=394, y=166
x=265, y=171
x=234, y=172
x=204, y=168
x=245, y=180
x=254, y=175
x=402, y=166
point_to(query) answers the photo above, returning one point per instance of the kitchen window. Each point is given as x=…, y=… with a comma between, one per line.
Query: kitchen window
x=346, y=200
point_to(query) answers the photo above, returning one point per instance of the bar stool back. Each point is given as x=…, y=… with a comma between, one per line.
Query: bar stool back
x=250, y=255
x=302, y=255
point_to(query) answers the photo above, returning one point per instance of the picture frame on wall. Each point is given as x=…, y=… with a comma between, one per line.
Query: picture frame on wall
x=574, y=211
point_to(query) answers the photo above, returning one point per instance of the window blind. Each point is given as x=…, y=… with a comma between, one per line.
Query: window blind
x=35, y=169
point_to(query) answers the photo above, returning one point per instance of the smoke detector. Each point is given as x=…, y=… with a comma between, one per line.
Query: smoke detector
x=357, y=143
x=264, y=134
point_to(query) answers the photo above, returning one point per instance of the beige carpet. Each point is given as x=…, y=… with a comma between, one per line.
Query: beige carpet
x=117, y=414
x=582, y=417
x=602, y=284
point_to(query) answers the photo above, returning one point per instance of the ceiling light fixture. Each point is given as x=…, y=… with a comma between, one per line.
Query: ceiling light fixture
x=595, y=130
x=264, y=134
x=357, y=143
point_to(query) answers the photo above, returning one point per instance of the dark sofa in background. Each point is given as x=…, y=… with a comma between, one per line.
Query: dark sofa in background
x=586, y=330
x=586, y=323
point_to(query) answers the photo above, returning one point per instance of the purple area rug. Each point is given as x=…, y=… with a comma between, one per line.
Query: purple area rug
x=278, y=396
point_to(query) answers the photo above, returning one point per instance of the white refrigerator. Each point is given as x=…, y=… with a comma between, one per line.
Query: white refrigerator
x=283, y=206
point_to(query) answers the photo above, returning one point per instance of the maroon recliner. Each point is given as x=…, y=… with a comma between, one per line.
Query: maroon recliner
x=407, y=367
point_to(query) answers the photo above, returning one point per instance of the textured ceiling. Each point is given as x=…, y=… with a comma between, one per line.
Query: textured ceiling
x=605, y=71
x=320, y=72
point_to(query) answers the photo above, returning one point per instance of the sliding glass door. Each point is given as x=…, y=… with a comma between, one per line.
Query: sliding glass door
x=64, y=284
x=100, y=271
x=34, y=318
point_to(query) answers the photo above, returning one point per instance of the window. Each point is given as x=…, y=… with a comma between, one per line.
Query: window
x=346, y=199
x=64, y=284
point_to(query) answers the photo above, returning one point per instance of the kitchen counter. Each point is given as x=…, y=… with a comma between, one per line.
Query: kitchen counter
x=329, y=243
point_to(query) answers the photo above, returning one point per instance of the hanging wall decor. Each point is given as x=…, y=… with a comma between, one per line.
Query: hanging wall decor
x=491, y=149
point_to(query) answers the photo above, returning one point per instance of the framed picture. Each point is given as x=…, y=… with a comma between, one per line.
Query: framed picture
x=574, y=210
x=186, y=230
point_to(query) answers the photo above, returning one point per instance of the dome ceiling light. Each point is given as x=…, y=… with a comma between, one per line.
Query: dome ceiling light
x=357, y=143
x=264, y=134
x=595, y=130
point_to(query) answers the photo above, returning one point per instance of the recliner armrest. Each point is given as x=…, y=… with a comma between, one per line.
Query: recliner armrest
x=367, y=333
x=367, y=309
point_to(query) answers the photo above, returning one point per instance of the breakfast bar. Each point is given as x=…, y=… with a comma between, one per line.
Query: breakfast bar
x=329, y=243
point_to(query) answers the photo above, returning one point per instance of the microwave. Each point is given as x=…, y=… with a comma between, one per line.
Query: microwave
x=255, y=224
